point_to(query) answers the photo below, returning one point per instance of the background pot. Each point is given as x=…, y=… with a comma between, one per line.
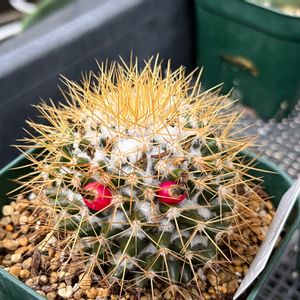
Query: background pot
x=253, y=49
x=275, y=184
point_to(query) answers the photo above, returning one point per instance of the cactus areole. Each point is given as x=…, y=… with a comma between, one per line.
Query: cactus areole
x=100, y=196
x=157, y=163
x=169, y=192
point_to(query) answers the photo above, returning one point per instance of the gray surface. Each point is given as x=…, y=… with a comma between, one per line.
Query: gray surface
x=284, y=283
x=280, y=143
x=68, y=43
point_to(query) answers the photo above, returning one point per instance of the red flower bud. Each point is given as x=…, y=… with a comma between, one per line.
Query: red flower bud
x=101, y=196
x=170, y=193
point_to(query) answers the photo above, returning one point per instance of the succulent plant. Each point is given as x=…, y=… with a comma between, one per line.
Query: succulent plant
x=141, y=176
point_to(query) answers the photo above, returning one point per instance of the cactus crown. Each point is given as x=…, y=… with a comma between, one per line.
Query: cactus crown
x=140, y=177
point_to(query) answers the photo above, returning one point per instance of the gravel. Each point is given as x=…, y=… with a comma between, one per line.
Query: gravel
x=28, y=253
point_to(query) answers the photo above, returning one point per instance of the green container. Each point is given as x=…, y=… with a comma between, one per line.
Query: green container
x=276, y=184
x=253, y=49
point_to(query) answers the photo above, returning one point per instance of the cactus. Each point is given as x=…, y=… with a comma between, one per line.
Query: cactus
x=140, y=175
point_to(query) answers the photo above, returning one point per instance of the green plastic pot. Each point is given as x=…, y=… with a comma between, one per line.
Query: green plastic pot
x=45, y=8
x=275, y=183
x=253, y=49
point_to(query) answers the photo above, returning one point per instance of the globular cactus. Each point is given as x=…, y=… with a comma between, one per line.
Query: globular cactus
x=140, y=174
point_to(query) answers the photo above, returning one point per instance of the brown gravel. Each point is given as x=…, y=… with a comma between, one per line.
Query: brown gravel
x=23, y=256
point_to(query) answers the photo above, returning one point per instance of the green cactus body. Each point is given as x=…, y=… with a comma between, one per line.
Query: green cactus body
x=130, y=132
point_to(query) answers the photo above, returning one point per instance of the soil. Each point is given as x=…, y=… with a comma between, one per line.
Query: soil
x=31, y=256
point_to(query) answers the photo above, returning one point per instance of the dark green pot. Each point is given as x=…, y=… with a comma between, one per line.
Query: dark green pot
x=253, y=49
x=275, y=184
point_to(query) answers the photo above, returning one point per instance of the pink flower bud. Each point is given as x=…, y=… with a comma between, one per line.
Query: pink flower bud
x=101, y=196
x=170, y=193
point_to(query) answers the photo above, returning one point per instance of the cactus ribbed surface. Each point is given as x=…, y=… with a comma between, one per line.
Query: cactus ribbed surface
x=141, y=176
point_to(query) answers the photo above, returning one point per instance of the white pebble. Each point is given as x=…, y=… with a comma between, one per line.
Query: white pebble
x=7, y=210
x=16, y=258
x=65, y=292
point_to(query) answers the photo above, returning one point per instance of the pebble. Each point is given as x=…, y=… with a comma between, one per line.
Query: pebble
x=225, y=276
x=24, y=228
x=16, y=258
x=65, y=292
x=45, y=262
x=13, y=204
x=53, y=277
x=43, y=279
x=26, y=264
x=54, y=265
x=15, y=270
x=48, y=288
x=232, y=286
x=22, y=250
x=30, y=219
x=252, y=250
x=23, y=220
x=268, y=218
x=211, y=291
x=222, y=289
x=5, y=221
x=10, y=244
x=212, y=278
x=92, y=293
x=15, y=217
x=6, y=262
x=7, y=210
x=78, y=294
x=9, y=228
x=20, y=197
x=62, y=285
x=41, y=293
x=31, y=282
x=2, y=234
x=21, y=206
x=12, y=235
x=23, y=240
x=63, y=274
x=51, y=295
x=167, y=296
x=25, y=274
x=31, y=248
x=103, y=292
